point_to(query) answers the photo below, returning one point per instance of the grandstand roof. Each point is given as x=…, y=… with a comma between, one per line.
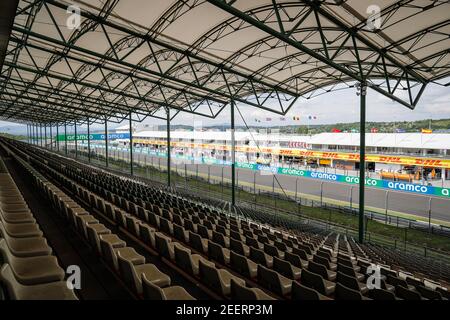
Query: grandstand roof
x=143, y=56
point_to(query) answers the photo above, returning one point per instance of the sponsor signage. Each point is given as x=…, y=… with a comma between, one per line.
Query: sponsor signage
x=95, y=136
x=298, y=152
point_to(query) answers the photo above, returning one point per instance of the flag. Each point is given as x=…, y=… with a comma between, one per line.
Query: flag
x=335, y=130
x=427, y=131
x=282, y=118
x=399, y=130
x=312, y=117
x=295, y=118
x=374, y=130
x=268, y=119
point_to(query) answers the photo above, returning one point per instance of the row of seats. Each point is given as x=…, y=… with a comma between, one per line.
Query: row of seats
x=146, y=279
x=268, y=256
x=29, y=270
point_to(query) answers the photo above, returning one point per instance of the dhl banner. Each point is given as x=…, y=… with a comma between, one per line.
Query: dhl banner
x=402, y=160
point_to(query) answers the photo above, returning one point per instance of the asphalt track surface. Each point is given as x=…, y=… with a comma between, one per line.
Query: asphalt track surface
x=335, y=192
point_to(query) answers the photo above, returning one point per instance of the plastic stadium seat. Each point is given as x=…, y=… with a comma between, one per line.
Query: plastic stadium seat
x=301, y=292
x=407, y=294
x=380, y=294
x=218, y=253
x=351, y=283
x=32, y=270
x=274, y=281
x=57, y=290
x=344, y=293
x=261, y=257
x=187, y=261
x=218, y=279
x=26, y=247
x=351, y=272
x=147, y=234
x=243, y=265
x=22, y=230
x=316, y=282
x=152, y=291
x=238, y=247
x=132, y=272
x=239, y=292
x=93, y=232
x=322, y=270
x=286, y=269
x=164, y=246
x=295, y=260
x=198, y=243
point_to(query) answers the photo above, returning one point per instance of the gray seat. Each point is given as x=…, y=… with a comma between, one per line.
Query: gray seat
x=32, y=270
x=240, y=292
x=133, y=272
x=344, y=293
x=57, y=290
x=244, y=266
x=152, y=291
x=301, y=292
x=218, y=279
x=274, y=281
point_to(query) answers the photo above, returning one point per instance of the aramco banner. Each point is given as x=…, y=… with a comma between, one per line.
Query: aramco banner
x=95, y=136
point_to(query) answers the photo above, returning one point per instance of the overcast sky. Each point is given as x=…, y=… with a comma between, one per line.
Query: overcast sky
x=334, y=107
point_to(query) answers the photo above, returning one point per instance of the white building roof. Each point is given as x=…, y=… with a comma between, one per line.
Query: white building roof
x=392, y=140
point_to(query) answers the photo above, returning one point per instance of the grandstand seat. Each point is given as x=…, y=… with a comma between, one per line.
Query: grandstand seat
x=187, y=261
x=322, y=270
x=93, y=232
x=286, y=269
x=243, y=265
x=301, y=292
x=198, y=243
x=218, y=279
x=407, y=294
x=238, y=247
x=351, y=282
x=240, y=292
x=218, y=253
x=151, y=291
x=316, y=282
x=132, y=273
x=56, y=290
x=147, y=234
x=344, y=293
x=380, y=294
x=351, y=272
x=274, y=281
x=164, y=246
x=32, y=270
x=26, y=247
x=295, y=260
x=261, y=257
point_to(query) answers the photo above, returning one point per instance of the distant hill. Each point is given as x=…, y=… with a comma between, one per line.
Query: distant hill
x=441, y=125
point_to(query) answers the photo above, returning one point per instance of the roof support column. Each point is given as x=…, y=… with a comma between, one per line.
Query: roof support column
x=362, y=157
x=106, y=142
x=76, y=140
x=131, y=146
x=57, y=136
x=168, y=145
x=40, y=134
x=28, y=134
x=65, y=137
x=45, y=136
x=233, y=158
x=89, y=140
x=51, y=138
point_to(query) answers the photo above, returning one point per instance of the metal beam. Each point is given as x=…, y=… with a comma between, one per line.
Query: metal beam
x=89, y=140
x=233, y=157
x=362, y=159
x=76, y=141
x=65, y=137
x=168, y=146
x=106, y=143
x=131, y=146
